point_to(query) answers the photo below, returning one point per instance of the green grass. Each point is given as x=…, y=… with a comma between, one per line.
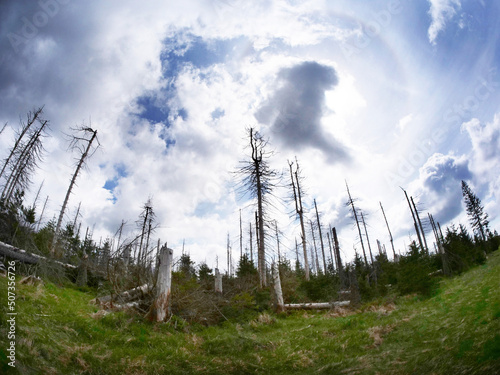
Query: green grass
x=457, y=331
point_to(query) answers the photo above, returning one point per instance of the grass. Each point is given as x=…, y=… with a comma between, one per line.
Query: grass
x=456, y=331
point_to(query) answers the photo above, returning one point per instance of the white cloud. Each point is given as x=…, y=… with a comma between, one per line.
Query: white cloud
x=441, y=12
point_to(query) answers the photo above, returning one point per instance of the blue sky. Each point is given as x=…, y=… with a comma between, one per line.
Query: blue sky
x=382, y=94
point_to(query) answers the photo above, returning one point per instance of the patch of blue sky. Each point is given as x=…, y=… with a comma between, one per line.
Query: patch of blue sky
x=184, y=48
x=111, y=184
x=217, y=113
x=179, y=51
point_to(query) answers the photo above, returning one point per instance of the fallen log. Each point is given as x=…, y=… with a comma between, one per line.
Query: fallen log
x=27, y=257
x=316, y=305
x=123, y=297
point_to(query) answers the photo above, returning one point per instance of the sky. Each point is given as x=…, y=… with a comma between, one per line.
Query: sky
x=378, y=94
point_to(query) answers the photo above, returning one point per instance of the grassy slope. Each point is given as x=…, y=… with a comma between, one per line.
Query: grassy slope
x=455, y=332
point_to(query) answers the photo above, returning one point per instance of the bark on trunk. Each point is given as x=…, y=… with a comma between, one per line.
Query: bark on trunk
x=161, y=307
x=280, y=305
x=218, y=281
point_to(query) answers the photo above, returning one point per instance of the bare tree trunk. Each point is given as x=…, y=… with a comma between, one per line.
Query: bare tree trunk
x=299, y=210
x=343, y=281
x=320, y=236
x=25, y=163
x=351, y=202
x=161, y=307
x=41, y=214
x=389, y=230
x=70, y=188
x=367, y=238
x=241, y=237
x=218, y=281
x=332, y=257
x=228, y=250
x=420, y=226
x=277, y=240
x=440, y=248
x=251, y=244
x=315, y=254
x=280, y=304
x=32, y=117
x=414, y=220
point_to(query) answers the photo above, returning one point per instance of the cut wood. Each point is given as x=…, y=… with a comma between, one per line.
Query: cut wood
x=316, y=305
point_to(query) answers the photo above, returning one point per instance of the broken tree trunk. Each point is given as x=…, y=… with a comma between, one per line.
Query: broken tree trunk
x=218, y=281
x=280, y=304
x=161, y=307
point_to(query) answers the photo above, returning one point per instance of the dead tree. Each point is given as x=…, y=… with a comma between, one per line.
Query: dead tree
x=343, y=281
x=145, y=222
x=241, y=237
x=84, y=145
x=277, y=240
x=420, y=226
x=367, y=238
x=32, y=117
x=315, y=253
x=331, y=249
x=320, y=236
x=258, y=180
x=280, y=304
x=218, y=281
x=440, y=247
x=297, y=195
x=161, y=307
x=251, y=244
x=350, y=202
x=389, y=230
x=414, y=219
x=24, y=160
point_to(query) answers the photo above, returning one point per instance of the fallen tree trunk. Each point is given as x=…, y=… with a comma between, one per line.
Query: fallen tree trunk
x=316, y=305
x=126, y=296
x=26, y=257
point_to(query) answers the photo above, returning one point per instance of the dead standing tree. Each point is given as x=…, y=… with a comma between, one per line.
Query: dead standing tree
x=84, y=144
x=297, y=196
x=24, y=156
x=350, y=202
x=389, y=230
x=32, y=117
x=414, y=220
x=258, y=180
x=320, y=236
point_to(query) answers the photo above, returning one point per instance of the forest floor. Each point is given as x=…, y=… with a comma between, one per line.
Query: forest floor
x=456, y=331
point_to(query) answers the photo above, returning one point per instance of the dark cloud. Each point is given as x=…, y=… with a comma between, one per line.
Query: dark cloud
x=442, y=175
x=295, y=110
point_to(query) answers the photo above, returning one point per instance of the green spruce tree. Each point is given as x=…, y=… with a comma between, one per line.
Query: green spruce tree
x=475, y=210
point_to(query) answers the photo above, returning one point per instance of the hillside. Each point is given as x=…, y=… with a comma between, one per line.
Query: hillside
x=455, y=331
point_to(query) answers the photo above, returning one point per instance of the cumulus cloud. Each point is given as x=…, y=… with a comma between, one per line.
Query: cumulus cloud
x=441, y=12
x=440, y=189
x=295, y=109
x=485, y=157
